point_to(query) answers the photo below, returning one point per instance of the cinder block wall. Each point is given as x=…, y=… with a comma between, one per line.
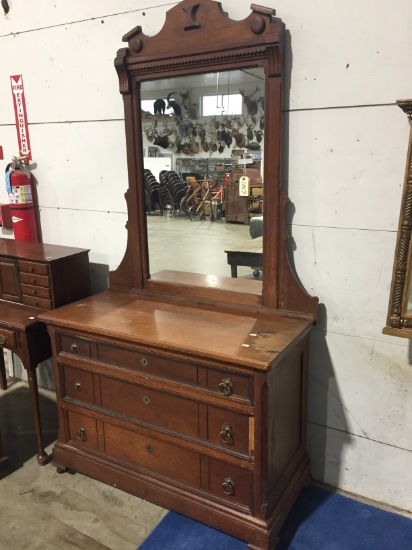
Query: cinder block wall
x=344, y=161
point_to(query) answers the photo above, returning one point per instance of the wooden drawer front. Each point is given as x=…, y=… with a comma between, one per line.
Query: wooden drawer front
x=82, y=430
x=8, y=338
x=230, y=384
x=165, y=459
x=37, y=280
x=73, y=345
x=37, y=302
x=33, y=267
x=152, y=406
x=36, y=291
x=231, y=482
x=146, y=363
x=229, y=429
x=78, y=384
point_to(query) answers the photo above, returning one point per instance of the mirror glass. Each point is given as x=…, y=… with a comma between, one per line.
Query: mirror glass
x=203, y=147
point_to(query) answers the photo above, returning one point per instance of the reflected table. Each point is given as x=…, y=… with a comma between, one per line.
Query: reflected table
x=249, y=254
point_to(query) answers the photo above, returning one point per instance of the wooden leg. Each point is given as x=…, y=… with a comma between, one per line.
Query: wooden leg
x=42, y=457
x=233, y=268
x=2, y=457
x=3, y=377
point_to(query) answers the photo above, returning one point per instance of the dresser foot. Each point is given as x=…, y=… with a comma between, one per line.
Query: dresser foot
x=269, y=546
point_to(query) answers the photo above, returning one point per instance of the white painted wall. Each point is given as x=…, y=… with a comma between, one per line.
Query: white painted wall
x=345, y=152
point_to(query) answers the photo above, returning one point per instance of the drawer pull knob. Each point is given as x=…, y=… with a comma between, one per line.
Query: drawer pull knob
x=78, y=386
x=74, y=347
x=149, y=448
x=31, y=269
x=3, y=339
x=146, y=400
x=34, y=292
x=81, y=434
x=228, y=486
x=144, y=361
x=33, y=281
x=226, y=386
x=226, y=434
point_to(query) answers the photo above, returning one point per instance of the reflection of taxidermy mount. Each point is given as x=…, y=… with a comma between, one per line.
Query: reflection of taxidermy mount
x=191, y=108
x=159, y=106
x=171, y=104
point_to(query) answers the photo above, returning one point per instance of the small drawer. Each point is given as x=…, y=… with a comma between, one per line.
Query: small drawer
x=147, y=364
x=73, y=345
x=230, y=384
x=33, y=267
x=33, y=301
x=38, y=280
x=151, y=406
x=8, y=338
x=228, y=429
x=36, y=291
x=82, y=430
x=232, y=483
x=78, y=384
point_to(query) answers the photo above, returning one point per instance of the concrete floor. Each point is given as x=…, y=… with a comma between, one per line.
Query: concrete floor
x=42, y=510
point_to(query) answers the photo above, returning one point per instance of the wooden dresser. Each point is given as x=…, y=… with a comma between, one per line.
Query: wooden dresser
x=35, y=277
x=189, y=389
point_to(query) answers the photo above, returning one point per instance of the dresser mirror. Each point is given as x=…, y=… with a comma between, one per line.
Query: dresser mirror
x=201, y=63
x=191, y=144
x=399, y=319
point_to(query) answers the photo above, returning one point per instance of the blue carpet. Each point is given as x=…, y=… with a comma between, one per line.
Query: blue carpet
x=320, y=520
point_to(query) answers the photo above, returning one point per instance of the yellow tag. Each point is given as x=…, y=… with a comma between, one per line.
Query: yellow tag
x=244, y=186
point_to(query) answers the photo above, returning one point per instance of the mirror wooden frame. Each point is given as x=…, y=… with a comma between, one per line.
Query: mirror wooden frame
x=256, y=41
x=399, y=320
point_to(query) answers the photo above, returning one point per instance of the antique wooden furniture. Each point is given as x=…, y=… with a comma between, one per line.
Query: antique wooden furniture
x=249, y=254
x=399, y=319
x=36, y=277
x=189, y=390
x=238, y=208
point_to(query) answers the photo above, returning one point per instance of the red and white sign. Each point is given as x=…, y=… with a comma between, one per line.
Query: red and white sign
x=21, y=116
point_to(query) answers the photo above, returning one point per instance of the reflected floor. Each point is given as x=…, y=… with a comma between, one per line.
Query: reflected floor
x=196, y=246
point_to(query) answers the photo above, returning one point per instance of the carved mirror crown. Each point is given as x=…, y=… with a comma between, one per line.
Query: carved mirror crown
x=199, y=39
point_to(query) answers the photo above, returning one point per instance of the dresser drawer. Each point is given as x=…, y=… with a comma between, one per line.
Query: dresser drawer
x=33, y=267
x=36, y=291
x=146, y=363
x=229, y=429
x=231, y=482
x=38, y=280
x=33, y=301
x=230, y=384
x=8, y=338
x=151, y=406
x=164, y=459
x=73, y=345
x=82, y=430
x=78, y=384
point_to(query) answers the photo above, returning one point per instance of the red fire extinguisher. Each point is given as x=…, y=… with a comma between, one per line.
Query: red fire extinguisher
x=20, y=190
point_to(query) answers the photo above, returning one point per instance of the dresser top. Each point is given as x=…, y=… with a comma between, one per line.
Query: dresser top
x=254, y=340
x=36, y=251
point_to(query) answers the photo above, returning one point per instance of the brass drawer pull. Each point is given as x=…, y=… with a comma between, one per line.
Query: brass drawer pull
x=144, y=361
x=78, y=386
x=146, y=400
x=74, y=347
x=33, y=281
x=226, y=434
x=228, y=486
x=34, y=292
x=149, y=448
x=31, y=269
x=226, y=386
x=81, y=434
x=3, y=339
